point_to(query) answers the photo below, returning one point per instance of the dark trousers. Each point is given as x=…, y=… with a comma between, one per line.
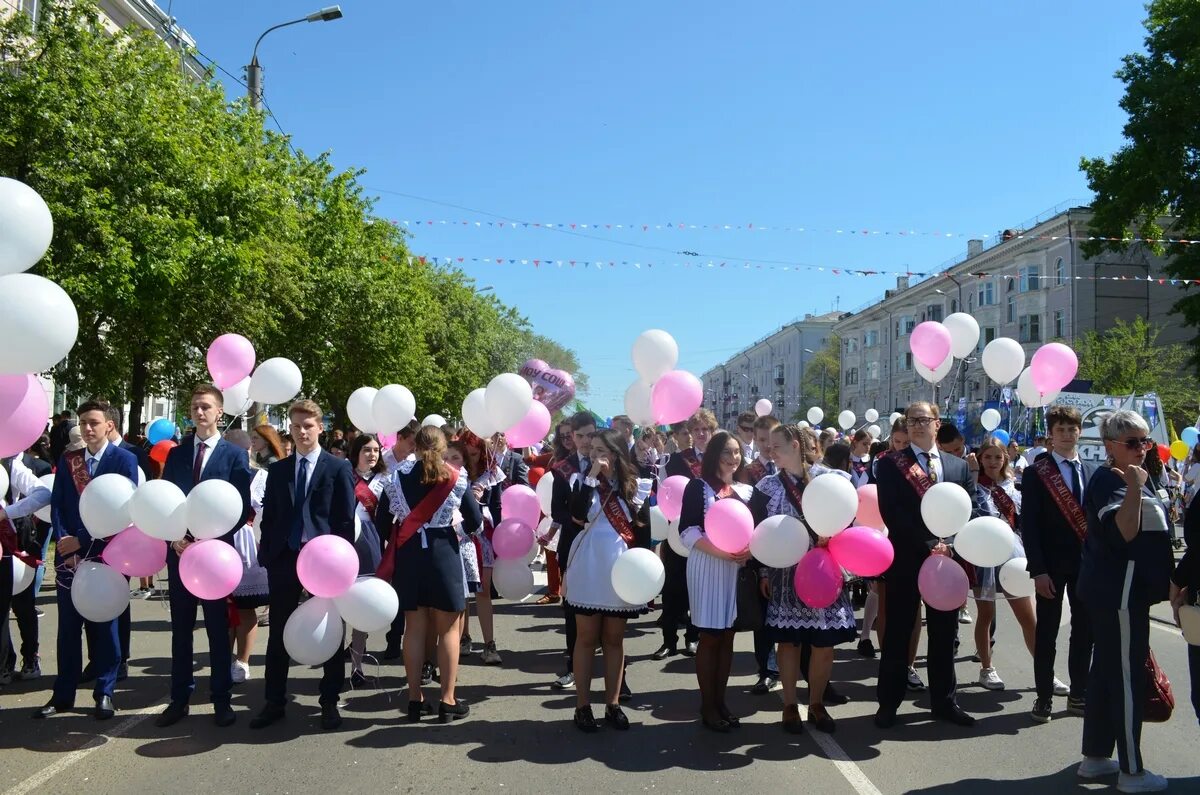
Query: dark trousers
x=395, y=633
x=569, y=626
x=104, y=647
x=1079, y=650
x=763, y=646
x=23, y=608
x=183, y=625
x=284, y=599
x=1117, y=685
x=1194, y=669
x=124, y=629
x=901, y=599
x=675, y=605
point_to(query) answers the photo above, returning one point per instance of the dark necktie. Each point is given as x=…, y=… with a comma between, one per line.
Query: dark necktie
x=297, y=535
x=91, y=466
x=198, y=464
x=1075, y=482
x=929, y=467
x=771, y=468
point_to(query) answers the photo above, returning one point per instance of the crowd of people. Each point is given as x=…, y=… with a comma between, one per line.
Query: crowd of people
x=421, y=513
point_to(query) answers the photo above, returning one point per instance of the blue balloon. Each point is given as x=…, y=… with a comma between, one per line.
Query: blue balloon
x=1001, y=435
x=1190, y=436
x=160, y=430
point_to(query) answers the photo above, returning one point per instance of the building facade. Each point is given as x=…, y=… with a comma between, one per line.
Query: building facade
x=771, y=368
x=1035, y=286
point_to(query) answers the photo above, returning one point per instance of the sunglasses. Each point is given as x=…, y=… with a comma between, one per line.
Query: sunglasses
x=1138, y=444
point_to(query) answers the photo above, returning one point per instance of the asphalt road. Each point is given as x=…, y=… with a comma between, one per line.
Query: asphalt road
x=519, y=737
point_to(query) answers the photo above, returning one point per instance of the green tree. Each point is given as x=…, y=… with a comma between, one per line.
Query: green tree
x=1127, y=358
x=822, y=382
x=1155, y=174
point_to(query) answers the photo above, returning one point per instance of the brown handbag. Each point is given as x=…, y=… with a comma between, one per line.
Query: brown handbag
x=1160, y=701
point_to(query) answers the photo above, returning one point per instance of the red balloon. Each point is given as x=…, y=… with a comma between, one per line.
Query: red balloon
x=535, y=474
x=159, y=451
x=1164, y=453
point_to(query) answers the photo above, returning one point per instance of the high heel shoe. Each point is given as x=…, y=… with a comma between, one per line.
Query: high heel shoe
x=720, y=725
x=820, y=719
x=450, y=712
x=791, y=720
x=615, y=716
x=727, y=716
x=585, y=721
x=417, y=709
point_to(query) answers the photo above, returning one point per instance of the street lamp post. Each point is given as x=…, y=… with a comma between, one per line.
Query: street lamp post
x=254, y=89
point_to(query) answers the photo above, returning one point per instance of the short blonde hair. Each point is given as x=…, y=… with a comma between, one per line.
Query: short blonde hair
x=930, y=407
x=305, y=408
x=703, y=418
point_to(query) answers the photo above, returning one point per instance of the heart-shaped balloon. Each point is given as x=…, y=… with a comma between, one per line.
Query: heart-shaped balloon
x=552, y=388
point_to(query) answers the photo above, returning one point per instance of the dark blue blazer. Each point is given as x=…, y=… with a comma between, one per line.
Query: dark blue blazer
x=143, y=458
x=64, y=498
x=1051, y=546
x=226, y=462
x=516, y=472
x=328, y=503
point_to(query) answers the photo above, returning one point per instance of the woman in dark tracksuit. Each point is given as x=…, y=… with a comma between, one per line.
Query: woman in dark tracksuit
x=1126, y=568
x=1185, y=587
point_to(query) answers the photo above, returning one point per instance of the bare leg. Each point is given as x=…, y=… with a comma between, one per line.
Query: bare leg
x=870, y=611
x=819, y=667
x=613, y=639
x=483, y=605
x=415, y=622
x=983, y=631
x=447, y=627
x=1027, y=618
x=788, y=657
x=358, y=647
x=431, y=641
x=587, y=637
x=247, y=630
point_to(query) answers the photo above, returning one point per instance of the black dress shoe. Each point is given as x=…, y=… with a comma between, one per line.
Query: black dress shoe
x=330, y=717
x=885, y=719
x=223, y=715
x=449, y=712
x=791, y=720
x=271, y=713
x=104, y=708
x=585, y=721
x=690, y=649
x=52, y=709
x=357, y=679
x=664, y=652
x=866, y=648
x=418, y=710
x=615, y=717
x=174, y=713
x=625, y=694
x=833, y=698
x=954, y=714
x=820, y=719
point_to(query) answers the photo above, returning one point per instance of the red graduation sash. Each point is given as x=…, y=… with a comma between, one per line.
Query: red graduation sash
x=1008, y=508
x=610, y=503
x=692, y=460
x=911, y=470
x=78, y=468
x=1047, y=469
x=420, y=515
x=366, y=498
x=565, y=467
x=756, y=471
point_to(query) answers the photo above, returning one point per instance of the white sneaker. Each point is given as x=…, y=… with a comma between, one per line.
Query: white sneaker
x=990, y=679
x=914, y=680
x=490, y=656
x=1142, y=782
x=964, y=617
x=1060, y=689
x=239, y=672
x=1097, y=767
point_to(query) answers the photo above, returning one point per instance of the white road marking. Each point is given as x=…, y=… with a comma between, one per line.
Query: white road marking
x=1165, y=627
x=853, y=774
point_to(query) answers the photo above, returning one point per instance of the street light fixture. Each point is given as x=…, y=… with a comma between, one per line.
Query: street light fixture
x=254, y=88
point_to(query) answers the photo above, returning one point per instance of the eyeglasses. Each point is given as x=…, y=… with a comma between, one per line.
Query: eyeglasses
x=746, y=428
x=922, y=421
x=1138, y=444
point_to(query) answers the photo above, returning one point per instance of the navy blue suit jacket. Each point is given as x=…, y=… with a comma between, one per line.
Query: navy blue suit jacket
x=143, y=458
x=328, y=503
x=1051, y=545
x=64, y=498
x=226, y=462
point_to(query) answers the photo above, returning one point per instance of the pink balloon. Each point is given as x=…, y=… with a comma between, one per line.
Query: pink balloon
x=387, y=440
x=1053, y=367
x=230, y=359
x=670, y=496
x=210, y=569
x=512, y=539
x=818, y=579
x=930, y=343
x=135, y=554
x=520, y=502
x=552, y=388
x=729, y=525
x=864, y=551
x=532, y=428
x=24, y=410
x=675, y=397
x=868, y=507
x=327, y=566
x=943, y=583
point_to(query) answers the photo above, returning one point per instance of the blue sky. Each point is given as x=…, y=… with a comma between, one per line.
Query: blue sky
x=963, y=118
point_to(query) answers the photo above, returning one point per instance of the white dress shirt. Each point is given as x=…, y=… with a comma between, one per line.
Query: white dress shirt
x=209, y=444
x=1065, y=468
x=311, y=458
x=935, y=462
x=87, y=455
x=26, y=494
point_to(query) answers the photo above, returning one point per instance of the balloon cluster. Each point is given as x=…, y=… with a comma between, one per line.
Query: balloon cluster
x=663, y=395
x=230, y=362
x=985, y=541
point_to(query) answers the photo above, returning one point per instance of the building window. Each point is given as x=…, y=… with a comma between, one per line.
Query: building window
x=905, y=325
x=852, y=376
x=971, y=302
x=934, y=312
x=1031, y=328
x=1030, y=278
x=986, y=295
x=871, y=338
x=904, y=362
x=852, y=345
x=1011, y=282
x=953, y=305
x=1060, y=323
x=1012, y=308
x=1060, y=271
x=872, y=371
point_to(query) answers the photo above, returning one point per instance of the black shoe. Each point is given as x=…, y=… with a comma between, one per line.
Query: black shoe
x=330, y=717
x=449, y=712
x=271, y=713
x=820, y=719
x=866, y=649
x=734, y=721
x=833, y=698
x=885, y=719
x=418, y=709
x=427, y=674
x=762, y=686
x=52, y=709
x=791, y=720
x=223, y=715
x=1043, y=709
x=346, y=653
x=720, y=725
x=104, y=708
x=1075, y=706
x=88, y=675
x=174, y=713
x=626, y=694
x=585, y=721
x=664, y=651
x=122, y=672
x=615, y=717
x=392, y=652
x=954, y=714
x=357, y=679
x=690, y=649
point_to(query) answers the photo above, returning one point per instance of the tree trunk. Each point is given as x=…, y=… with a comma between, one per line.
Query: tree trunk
x=137, y=395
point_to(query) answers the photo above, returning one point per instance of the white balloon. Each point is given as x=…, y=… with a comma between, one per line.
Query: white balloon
x=48, y=482
x=3, y=484
x=99, y=592
x=1028, y=393
x=985, y=541
x=474, y=412
x=990, y=419
x=532, y=553
x=275, y=381
x=359, y=408
x=935, y=375
x=314, y=632
x=545, y=492
x=513, y=579
x=895, y=415
x=763, y=407
x=871, y=415
x=213, y=508
x=436, y=420
x=964, y=334
x=846, y=420
x=370, y=604
x=675, y=541
x=946, y=509
x=507, y=399
x=1015, y=579
x=829, y=504
x=1003, y=359
x=159, y=509
x=26, y=227
x=638, y=576
x=104, y=505
x=393, y=407
x=874, y=430
x=659, y=526
x=779, y=541
x=40, y=324
x=655, y=352
x=22, y=575
x=237, y=398
x=803, y=424
x=637, y=403
x=815, y=415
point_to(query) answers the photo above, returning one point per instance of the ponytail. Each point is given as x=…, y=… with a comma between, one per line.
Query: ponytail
x=431, y=447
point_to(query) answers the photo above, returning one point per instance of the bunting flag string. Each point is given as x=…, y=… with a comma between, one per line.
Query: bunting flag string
x=414, y=259
x=847, y=232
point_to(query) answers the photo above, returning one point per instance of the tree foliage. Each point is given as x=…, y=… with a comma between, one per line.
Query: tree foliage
x=821, y=385
x=1127, y=358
